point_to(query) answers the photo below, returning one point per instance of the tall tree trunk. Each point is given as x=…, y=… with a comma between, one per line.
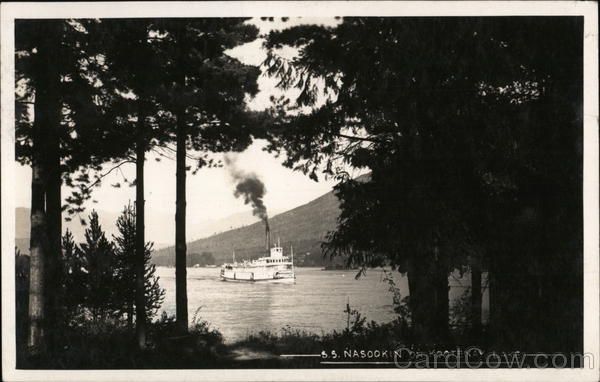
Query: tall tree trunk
x=52, y=265
x=140, y=240
x=21, y=298
x=54, y=227
x=44, y=129
x=130, y=314
x=180, y=203
x=476, y=297
x=38, y=250
x=53, y=182
x=495, y=296
x=439, y=275
x=504, y=286
x=180, y=226
x=428, y=289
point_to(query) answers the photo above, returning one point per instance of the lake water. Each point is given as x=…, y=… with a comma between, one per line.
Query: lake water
x=315, y=303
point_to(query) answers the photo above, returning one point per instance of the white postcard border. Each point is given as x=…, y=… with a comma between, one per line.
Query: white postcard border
x=11, y=11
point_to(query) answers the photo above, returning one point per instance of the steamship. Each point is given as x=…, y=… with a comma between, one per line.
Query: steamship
x=273, y=268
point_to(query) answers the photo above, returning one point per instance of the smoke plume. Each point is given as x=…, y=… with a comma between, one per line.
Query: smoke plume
x=249, y=187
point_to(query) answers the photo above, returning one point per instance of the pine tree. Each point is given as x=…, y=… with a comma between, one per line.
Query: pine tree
x=459, y=122
x=138, y=71
x=123, y=264
x=97, y=253
x=124, y=271
x=72, y=295
x=206, y=98
x=37, y=48
x=155, y=295
x=64, y=104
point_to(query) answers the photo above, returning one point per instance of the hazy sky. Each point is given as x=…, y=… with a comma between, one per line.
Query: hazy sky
x=210, y=191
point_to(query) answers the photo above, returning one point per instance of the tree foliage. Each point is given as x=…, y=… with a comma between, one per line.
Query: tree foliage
x=97, y=253
x=90, y=110
x=123, y=268
x=98, y=278
x=471, y=131
x=205, y=86
x=73, y=278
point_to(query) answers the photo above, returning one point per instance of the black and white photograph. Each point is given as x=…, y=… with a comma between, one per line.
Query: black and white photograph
x=300, y=191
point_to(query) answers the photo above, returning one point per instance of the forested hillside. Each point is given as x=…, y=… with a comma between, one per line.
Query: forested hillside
x=303, y=227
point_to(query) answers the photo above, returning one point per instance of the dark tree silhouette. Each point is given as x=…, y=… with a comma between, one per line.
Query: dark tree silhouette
x=458, y=121
x=97, y=253
x=137, y=69
x=63, y=111
x=124, y=267
x=73, y=279
x=46, y=36
x=21, y=296
x=206, y=99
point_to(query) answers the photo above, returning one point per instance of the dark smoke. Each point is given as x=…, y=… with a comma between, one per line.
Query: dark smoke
x=250, y=188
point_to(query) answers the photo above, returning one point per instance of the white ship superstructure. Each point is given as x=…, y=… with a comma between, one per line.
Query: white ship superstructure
x=275, y=268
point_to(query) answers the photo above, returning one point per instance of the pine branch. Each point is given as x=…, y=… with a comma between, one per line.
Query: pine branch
x=365, y=139
x=99, y=179
x=161, y=154
x=187, y=155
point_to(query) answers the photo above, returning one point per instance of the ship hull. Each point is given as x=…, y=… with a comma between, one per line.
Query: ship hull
x=258, y=275
x=286, y=280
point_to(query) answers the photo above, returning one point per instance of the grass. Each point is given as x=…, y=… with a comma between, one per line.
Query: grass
x=112, y=346
x=106, y=344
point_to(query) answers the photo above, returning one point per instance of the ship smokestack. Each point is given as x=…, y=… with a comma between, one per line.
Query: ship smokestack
x=267, y=236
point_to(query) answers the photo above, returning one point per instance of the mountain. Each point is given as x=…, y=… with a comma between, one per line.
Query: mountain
x=211, y=227
x=304, y=227
x=158, y=228
x=23, y=224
